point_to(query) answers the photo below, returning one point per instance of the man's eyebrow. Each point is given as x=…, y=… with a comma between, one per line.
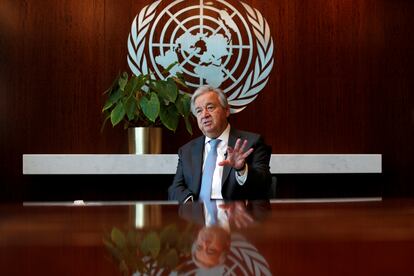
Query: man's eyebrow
x=209, y=103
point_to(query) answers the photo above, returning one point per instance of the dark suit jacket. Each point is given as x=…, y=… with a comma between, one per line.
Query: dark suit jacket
x=187, y=180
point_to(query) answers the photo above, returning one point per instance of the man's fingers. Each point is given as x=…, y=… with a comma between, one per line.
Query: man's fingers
x=235, y=155
x=237, y=146
x=243, y=145
x=225, y=163
x=247, y=153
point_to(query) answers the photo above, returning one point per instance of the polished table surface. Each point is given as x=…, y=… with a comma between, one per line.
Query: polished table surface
x=308, y=238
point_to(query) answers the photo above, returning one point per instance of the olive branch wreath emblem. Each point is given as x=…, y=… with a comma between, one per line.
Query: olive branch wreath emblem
x=244, y=93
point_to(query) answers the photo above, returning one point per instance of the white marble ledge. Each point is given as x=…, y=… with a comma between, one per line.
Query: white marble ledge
x=35, y=164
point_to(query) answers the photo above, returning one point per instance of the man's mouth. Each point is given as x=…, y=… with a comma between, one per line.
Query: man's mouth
x=206, y=123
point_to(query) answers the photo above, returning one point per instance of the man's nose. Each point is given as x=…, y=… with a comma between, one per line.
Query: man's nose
x=205, y=112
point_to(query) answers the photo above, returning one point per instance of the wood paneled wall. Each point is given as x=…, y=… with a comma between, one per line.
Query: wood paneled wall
x=342, y=81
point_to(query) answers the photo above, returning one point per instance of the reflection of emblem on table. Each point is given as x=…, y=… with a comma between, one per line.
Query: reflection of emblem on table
x=243, y=259
x=212, y=43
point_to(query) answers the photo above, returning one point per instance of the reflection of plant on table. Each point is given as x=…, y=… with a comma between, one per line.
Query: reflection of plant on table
x=144, y=250
x=143, y=101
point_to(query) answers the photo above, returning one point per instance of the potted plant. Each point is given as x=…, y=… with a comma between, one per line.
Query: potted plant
x=144, y=101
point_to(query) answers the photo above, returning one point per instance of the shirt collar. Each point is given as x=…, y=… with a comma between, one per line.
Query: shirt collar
x=223, y=137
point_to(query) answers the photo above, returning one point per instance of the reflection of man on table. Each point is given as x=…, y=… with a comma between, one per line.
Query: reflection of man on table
x=214, y=240
x=225, y=163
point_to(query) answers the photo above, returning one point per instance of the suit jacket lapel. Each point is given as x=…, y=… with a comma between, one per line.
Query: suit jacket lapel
x=197, y=163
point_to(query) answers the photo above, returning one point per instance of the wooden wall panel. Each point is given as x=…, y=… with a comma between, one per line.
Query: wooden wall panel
x=342, y=81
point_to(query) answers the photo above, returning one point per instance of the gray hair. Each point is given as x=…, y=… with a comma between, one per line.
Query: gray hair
x=205, y=89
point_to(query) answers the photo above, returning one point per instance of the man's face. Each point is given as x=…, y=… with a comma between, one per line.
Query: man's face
x=211, y=116
x=211, y=243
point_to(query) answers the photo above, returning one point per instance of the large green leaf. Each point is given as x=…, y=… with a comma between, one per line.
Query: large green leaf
x=118, y=238
x=141, y=79
x=167, y=90
x=117, y=114
x=188, y=125
x=130, y=107
x=183, y=103
x=113, y=98
x=123, y=80
x=131, y=86
x=171, y=259
x=151, y=245
x=158, y=86
x=172, y=90
x=135, y=83
x=150, y=107
x=169, y=117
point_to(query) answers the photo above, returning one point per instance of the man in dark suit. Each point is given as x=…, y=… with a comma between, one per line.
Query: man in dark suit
x=242, y=158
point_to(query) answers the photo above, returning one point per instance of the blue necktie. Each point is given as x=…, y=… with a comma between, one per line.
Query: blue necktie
x=207, y=179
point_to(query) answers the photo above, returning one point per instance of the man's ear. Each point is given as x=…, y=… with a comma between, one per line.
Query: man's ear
x=227, y=111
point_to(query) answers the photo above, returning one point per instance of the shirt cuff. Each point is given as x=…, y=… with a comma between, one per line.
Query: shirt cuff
x=241, y=176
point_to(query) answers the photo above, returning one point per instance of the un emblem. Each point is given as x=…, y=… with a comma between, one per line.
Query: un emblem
x=213, y=42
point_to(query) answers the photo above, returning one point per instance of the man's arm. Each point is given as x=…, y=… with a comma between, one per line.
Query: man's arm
x=178, y=189
x=256, y=154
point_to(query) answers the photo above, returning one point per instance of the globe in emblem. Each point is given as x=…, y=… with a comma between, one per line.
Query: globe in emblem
x=212, y=43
